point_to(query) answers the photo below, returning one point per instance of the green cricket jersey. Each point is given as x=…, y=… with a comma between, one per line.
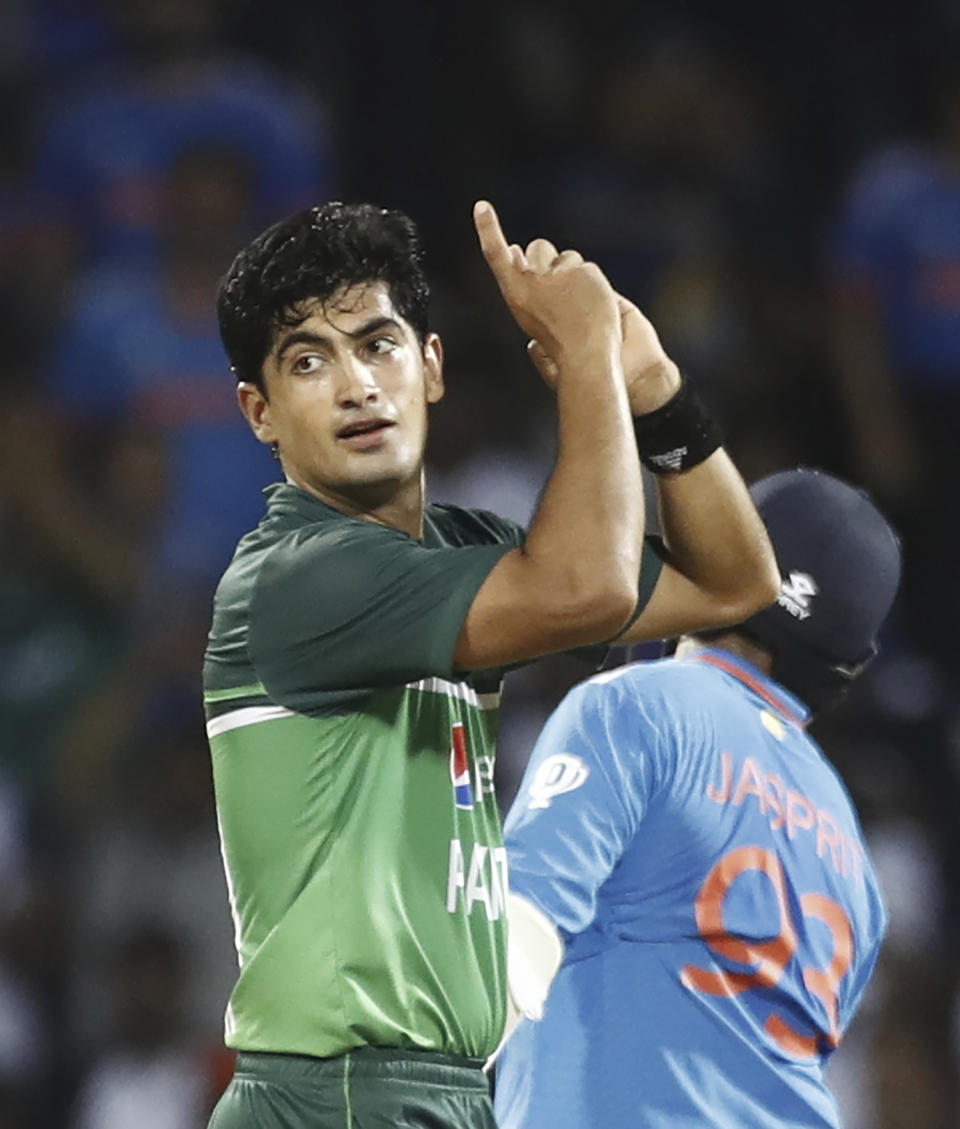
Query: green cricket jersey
x=353, y=770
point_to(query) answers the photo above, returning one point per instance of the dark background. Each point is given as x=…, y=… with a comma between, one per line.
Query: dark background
x=778, y=186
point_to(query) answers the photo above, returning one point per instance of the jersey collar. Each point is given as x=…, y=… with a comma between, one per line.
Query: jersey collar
x=284, y=497
x=288, y=498
x=777, y=698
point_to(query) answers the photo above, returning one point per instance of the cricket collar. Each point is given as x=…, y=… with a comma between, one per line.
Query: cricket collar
x=777, y=698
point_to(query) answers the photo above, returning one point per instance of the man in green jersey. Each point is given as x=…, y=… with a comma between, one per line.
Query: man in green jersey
x=359, y=636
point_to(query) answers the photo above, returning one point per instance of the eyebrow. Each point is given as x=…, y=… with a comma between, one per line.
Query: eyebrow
x=309, y=337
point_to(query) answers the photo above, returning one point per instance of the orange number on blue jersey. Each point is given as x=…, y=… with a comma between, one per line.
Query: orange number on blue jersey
x=768, y=960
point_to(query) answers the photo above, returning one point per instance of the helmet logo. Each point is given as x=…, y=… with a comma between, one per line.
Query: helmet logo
x=796, y=592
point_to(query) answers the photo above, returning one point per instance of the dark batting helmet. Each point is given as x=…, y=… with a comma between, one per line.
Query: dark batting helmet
x=839, y=561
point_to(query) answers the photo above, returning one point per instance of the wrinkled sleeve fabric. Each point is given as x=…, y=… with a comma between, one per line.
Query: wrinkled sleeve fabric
x=581, y=800
x=360, y=606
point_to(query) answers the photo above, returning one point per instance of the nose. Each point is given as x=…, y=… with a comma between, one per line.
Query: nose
x=357, y=385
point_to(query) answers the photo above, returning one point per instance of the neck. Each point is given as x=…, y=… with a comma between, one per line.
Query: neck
x=400, y=508
x=732, y=642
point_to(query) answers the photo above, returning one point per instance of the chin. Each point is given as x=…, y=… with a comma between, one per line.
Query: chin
x=382, y=475
x=377, y=481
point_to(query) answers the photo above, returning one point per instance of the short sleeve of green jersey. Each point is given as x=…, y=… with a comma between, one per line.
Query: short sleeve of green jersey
x=356, y=606
x=651, y=565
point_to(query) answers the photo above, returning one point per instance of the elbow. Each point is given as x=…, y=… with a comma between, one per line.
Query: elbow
x=766, y=585
x=618, y=608
x=759, y=588
x=771, y=593
x=577, y=600
x=603, y=611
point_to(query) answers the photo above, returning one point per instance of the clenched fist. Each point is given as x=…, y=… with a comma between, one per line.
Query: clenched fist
x=650, y=376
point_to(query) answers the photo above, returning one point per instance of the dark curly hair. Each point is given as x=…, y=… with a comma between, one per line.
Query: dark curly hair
x=311, y=256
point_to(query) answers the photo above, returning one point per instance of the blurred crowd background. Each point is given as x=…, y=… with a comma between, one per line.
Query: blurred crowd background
x=777, y=186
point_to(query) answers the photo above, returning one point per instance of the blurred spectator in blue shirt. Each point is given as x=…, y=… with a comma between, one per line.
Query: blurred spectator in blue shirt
x=897, y=344
x=143, y=347
x=38, y=247
x=77, y=521
x=106, y=145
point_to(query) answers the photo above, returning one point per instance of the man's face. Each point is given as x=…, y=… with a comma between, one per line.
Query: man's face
x=347, y=394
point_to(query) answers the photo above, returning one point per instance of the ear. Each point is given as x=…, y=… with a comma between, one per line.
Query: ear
x=433, y=368
x=256, y=409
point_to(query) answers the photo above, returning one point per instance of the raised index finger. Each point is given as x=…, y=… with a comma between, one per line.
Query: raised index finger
x=492, y=242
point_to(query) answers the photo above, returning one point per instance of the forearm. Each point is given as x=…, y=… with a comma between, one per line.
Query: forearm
x=574, y=582
x=720, y=566
x=588, y=528
x=715, y=537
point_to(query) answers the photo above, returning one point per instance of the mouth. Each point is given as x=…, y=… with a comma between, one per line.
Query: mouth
x=364, y=433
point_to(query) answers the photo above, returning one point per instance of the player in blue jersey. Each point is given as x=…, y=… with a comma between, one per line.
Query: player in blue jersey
x=682, y=849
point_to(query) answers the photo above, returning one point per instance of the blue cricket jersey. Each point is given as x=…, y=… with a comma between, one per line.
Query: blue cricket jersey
x=707, y=871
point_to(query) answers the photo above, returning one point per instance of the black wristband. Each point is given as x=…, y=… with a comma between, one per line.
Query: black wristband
x=678, y=435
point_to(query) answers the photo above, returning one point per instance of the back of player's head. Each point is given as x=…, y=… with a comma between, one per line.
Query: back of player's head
x=314, y=255
x=840, y=566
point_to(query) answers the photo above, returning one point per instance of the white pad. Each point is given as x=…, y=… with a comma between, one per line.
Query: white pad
x=534, y=955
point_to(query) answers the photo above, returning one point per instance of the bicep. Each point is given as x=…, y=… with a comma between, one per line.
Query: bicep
x=519, y=613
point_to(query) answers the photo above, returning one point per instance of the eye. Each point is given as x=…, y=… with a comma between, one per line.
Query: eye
x=307, y=363
x=382, y=345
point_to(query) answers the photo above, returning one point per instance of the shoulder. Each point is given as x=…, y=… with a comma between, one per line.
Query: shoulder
x=227, y=640
x=828, y=776
x=667, y=703
x=458, y=526
x=240, y=575
x=269, y=559
x=653, y=682
x=322, y=554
